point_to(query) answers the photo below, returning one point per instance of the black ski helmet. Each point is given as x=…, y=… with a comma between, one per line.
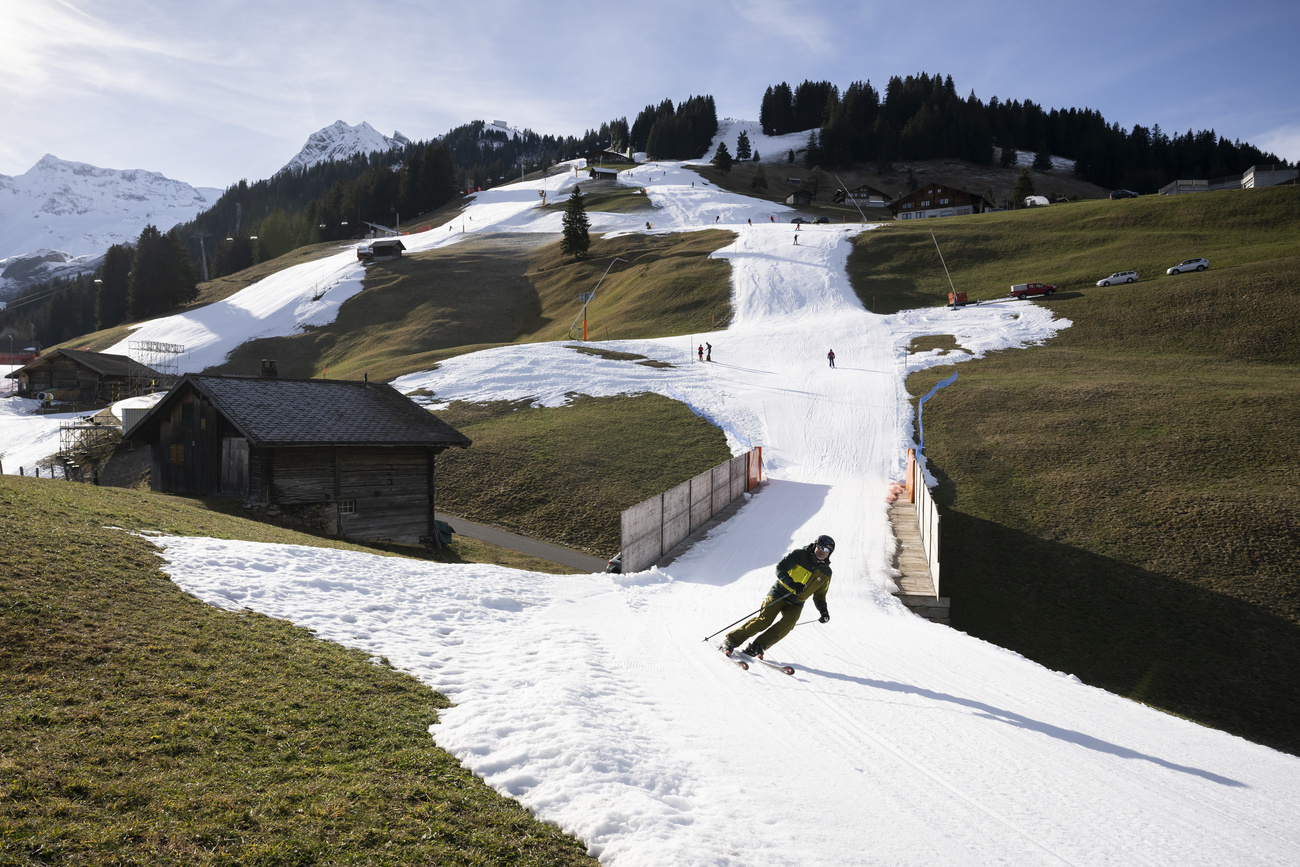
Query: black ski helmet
x=826, y=542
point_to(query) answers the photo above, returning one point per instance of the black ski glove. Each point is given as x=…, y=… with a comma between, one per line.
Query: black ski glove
x=825, y=614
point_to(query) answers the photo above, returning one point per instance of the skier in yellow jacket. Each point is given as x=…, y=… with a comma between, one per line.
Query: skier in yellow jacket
x=803, y=573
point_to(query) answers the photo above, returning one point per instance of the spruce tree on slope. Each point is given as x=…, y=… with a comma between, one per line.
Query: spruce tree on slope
x=742, y=146
x=1024, y=189
x=576, y=239
x=113, y=284
x=722, y=159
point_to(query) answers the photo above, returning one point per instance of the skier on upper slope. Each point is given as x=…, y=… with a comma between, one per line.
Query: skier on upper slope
x=803, y=573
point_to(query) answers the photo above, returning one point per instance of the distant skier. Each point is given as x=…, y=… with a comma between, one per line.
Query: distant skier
x=708, y=352
x=830, y=356
x=700, y=352
x=803, y=573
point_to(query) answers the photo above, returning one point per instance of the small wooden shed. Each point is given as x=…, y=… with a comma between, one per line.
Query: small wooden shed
x=81, y=375
x=381, y=248
x=347, y=458
x=799, y=198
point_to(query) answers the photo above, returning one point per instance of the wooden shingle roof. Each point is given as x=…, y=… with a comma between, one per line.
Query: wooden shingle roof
x=103, y=363
x=311, y=412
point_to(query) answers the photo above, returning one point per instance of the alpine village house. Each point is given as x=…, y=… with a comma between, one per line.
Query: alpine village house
x=343, y=457
x=937, y=200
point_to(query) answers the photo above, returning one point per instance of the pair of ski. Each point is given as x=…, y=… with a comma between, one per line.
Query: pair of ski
x=739, y=659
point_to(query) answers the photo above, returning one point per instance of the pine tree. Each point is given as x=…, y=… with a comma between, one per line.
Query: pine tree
x=576, y=240
x=161, y=275
x=813, y=155
x=1043, y=160
x=722, y=159
x=742, y=146
x=1024, y=189
x=755, y=156
x=113, y=284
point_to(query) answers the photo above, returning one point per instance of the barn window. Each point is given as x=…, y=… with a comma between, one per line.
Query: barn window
x=347, y=507
x=177, y=455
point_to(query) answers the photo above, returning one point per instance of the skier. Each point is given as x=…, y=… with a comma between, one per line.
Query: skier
x=831, y=357
x=700, y=352
x=708, y=352
x=802, y=573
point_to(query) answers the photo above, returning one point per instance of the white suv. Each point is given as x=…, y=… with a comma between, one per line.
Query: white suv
x=1119, y=277
x=1189, y=265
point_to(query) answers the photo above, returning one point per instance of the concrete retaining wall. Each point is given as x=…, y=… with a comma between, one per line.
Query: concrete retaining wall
x=651, y=528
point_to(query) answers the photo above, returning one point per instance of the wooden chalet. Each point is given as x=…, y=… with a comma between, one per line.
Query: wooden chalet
x=799, y=198
x=863, y=195
x=600, y=156
x=82, y=376
x=937, y=200
x=347, y=458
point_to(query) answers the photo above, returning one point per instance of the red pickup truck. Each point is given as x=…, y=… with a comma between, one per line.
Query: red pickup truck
x=1026, y=290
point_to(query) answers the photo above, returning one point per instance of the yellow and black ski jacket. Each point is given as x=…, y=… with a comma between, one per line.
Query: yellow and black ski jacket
x=801, y=575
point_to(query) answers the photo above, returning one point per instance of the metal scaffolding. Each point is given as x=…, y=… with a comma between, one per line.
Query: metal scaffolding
x=85, y=445
x=155, y=365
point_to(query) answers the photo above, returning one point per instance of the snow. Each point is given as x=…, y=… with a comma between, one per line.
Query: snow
x=82, y=210
x=594, y=701
x=341, y=141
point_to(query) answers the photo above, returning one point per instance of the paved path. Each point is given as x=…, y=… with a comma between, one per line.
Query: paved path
x=576, y=560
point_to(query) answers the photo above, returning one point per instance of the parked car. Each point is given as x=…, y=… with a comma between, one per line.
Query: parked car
x=1026, y=290
x=1119, y=277
x=821, y=221
x=615, y=564
x=1189, y=265
x=1123, y=194
x=800, y=220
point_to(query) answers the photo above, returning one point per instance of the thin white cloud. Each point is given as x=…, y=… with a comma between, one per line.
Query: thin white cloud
x=1283, y=141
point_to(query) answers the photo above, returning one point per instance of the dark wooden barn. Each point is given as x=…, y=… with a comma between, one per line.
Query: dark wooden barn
x=82, y=376
x=352, y=459
x=381, y=249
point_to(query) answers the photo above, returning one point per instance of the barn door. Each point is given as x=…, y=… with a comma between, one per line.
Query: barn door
x=234, y=466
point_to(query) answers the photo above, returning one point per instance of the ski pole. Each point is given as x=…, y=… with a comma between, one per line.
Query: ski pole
x=749, y=615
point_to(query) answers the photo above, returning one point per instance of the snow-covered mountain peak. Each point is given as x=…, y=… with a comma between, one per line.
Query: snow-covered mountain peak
x=339, y=141
x=81, y=210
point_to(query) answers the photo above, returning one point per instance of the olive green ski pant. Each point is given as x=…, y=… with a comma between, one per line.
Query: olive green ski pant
x=774, y=620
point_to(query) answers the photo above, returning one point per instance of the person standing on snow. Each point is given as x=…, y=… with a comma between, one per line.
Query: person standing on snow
x=708, y=353
x=803, y=573
x=700, y=352
x=831, y=357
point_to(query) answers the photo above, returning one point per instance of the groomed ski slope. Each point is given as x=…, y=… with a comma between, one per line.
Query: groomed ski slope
x=592, y=700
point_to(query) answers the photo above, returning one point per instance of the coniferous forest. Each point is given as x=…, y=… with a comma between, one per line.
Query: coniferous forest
x=921, y=117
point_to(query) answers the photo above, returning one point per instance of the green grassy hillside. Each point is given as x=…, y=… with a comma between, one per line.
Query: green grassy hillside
x=141, y=726
x=499, y=289
x=1122, y=503
x=1071, y=245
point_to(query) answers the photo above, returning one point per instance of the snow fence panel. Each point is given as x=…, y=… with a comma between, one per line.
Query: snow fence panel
x=677, y=515
x=738, y=467
x=701, y=499
x=642, y=527
x=721, y=487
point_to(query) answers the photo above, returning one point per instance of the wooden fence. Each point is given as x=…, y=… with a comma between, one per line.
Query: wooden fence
x=653, y=527
x=927, y=515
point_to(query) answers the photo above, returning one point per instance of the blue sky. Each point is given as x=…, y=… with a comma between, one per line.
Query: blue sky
x=215, y=91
